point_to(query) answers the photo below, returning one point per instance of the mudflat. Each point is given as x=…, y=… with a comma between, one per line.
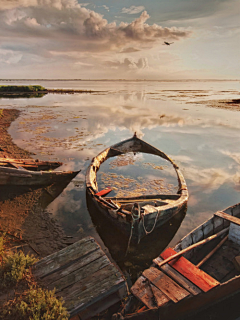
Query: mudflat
x=23, y=215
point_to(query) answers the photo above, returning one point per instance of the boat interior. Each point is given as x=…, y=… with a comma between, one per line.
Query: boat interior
x=219, y=257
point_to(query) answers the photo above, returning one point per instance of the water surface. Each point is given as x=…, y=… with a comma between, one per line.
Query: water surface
x=73, y=128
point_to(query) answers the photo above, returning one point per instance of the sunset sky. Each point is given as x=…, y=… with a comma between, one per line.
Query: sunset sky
x=104, y=39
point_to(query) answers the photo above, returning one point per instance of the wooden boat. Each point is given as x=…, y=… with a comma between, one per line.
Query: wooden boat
x=200, y=273
x=29, y=164
x=136, y=216
x=23, y=177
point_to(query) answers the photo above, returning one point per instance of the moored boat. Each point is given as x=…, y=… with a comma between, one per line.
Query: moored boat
x=29, y=164
x=23, y=177
x=138, y=215
x=195, y=277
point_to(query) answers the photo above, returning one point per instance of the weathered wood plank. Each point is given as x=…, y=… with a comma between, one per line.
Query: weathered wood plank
x=77, y=266
x=80, y=274
x=165, y=284
x=226, y=216
x=94, y=288
x=190, y=271
x=160, y=298
x=176, y=276
x=234, y=233
x=57, y=260
x=142, y=290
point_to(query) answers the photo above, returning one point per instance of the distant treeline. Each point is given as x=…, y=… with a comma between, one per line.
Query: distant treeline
x=34, y=91
x=22, y=88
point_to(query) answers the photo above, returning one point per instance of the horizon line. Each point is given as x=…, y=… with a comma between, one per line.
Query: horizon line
x=140, y=80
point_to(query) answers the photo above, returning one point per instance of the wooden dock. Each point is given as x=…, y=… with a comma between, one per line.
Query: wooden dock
x=83, y=276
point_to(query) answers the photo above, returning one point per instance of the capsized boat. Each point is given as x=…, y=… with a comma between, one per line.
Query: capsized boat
x=198, y=276
x=137, y=216
x=19, y=176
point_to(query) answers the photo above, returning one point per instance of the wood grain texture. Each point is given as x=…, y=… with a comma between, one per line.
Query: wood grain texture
x=83, y=276
x=181, y=280
x=190, y=271
x=226, y=216
x=165, y=284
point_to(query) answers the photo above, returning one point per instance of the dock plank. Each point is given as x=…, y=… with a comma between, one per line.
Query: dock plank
x=87, y=291
x=75, y=267
x=190, y=271
x=165, y=284
x=83, y=276
x=79, y=274
x=78, y=250
x=181, y=280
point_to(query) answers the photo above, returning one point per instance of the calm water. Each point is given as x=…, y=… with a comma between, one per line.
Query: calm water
x=203, y=141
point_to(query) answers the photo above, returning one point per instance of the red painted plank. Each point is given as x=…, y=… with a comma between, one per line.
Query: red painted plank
x=190, y=271
x=104, y=192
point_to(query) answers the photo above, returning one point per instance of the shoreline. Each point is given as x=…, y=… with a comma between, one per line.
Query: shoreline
x=23, y=215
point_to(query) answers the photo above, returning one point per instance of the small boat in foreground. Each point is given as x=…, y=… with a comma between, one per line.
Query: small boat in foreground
x=200, y=272
x=138, y=215
x=28, y=172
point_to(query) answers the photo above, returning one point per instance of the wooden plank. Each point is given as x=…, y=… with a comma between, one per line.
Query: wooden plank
x=92, y=289
x=142, y=290
x=190, y=271
x=69, y=268
x=208, y=228
x=234, y=233
x=160, y=298
x=176, y=276
x=165, y=284
x=71, y=277
x=55, y=261
x=226, y=216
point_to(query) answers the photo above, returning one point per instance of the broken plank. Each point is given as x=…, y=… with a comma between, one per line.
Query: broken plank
x=165, y=284
x=190, y=271
x=226, y=216
x=181, y=280
x=142, y=290
x=160, y=298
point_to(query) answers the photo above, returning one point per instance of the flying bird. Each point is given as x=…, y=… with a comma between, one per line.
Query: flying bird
x=168, y=43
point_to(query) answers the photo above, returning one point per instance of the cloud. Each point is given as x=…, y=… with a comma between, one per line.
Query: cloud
x=129, y=50
x=106, y=7
x=128, y=64
x=133, y=9
x=64, y=25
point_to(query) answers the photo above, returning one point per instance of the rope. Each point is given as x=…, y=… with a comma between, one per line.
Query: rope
x=144, y=228
x=135, y=217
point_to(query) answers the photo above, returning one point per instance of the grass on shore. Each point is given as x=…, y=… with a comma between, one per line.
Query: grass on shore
x=33, y=88
x=32, y=302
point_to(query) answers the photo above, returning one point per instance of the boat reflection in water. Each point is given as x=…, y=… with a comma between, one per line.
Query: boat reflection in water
x=133, y=259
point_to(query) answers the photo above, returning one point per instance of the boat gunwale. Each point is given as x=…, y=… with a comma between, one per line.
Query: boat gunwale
x=91, y=175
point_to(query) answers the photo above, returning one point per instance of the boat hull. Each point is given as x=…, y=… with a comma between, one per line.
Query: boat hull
x=153, y=210
x=125, y=225
x=18, y=177
x=204, y=304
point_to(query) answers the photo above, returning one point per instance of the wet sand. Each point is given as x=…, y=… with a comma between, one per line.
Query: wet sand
x=23, y=215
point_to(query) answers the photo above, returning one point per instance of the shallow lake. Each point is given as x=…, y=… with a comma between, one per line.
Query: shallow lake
x=172, y=116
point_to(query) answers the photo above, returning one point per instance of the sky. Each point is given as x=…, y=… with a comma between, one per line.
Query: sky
x=110, y=39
